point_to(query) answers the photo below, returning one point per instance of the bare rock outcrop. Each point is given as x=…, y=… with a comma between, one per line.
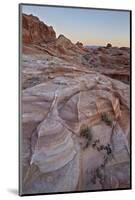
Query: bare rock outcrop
x=113, y=62
x=108, y=45
x=35, y=31
x=110, y=61
x=64, y=46
x=79, y=44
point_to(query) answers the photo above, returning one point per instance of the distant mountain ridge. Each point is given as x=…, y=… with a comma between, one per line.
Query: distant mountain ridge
x=93, y=46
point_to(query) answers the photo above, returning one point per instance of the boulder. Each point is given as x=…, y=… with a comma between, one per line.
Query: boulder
x=109, y=45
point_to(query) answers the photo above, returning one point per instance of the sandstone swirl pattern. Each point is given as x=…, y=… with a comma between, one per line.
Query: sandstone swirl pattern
x=55, y=112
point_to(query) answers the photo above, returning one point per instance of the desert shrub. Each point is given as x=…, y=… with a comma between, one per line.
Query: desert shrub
x=85, y=132
x=106, y=118
x=30, y=82
x=51, y=64
x=50, y=68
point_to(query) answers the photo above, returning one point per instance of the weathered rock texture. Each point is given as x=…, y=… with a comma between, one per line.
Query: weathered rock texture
x=35, y=31
x=60, y=98
x=109, y=60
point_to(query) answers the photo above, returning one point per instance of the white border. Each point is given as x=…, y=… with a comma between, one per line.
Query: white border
x=9, y=97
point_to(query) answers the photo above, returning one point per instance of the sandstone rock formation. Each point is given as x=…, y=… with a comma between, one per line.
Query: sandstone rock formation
x=112, y=61
x=79, y=44
x=63, y=95
x=35, y=31
x=109, y=45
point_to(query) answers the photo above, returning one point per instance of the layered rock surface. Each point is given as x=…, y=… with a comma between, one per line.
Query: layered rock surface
x=111, y=61
x=60, y=95
x=35, y=31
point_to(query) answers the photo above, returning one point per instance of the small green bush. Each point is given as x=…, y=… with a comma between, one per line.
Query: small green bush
x=85, y=132
x=106, y=118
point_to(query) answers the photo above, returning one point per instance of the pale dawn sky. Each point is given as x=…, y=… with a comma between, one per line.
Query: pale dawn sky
x=89, y=26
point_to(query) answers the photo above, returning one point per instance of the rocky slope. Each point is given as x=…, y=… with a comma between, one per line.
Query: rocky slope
x=35, y=31
x=75, y=120
x=111, y=61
